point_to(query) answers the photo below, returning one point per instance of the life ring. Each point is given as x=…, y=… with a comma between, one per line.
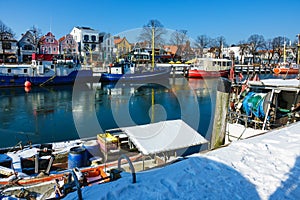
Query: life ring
x=277, y=70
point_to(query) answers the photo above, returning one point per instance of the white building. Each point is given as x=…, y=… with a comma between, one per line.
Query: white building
x=107, y=48
x=88, y=41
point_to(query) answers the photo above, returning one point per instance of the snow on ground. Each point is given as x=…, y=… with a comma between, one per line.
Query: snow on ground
x=263, y=167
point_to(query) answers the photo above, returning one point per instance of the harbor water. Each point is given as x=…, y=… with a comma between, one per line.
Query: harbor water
x=61, y=113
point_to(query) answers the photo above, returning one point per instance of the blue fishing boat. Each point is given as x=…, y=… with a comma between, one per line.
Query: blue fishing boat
x=128, y=71
x=44, y=70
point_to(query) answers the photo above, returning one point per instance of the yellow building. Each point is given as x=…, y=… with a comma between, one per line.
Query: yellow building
x=122, y=45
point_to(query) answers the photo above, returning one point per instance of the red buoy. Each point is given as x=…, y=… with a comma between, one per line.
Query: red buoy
x=27, y=89
x=27, y=84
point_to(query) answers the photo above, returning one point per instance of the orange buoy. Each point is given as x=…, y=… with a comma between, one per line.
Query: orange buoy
x=27, y=84
x=276, y=70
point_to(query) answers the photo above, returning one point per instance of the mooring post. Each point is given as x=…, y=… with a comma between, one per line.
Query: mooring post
x=222, y=103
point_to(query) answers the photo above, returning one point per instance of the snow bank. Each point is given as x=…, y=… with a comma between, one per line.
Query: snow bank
x=264, y=167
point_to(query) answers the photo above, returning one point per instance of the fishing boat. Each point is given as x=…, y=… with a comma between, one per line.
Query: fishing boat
x=209, y=68
x=259, y=106
x=43, y=70
x=291, y=68
x=128, y=71
x=35, y=169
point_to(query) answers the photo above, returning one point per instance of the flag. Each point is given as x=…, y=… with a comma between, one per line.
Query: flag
x=240, y=76
x=256, y=78
x=231, y=74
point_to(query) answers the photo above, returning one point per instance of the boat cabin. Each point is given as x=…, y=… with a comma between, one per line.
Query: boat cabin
x=212, y=64
x=121, y=68
x=16, y=70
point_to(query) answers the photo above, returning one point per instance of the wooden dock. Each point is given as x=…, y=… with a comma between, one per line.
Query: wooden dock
x=251, y=69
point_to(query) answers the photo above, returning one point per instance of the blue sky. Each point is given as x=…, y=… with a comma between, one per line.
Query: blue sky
x=235, y=20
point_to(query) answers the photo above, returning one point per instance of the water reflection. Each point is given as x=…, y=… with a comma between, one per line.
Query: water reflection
x=63, y=113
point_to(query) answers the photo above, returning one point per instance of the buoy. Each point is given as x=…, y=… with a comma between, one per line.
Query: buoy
x=27, y=89
x=27, y=84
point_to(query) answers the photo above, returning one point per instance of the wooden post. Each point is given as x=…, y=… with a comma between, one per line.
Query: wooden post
x=222, y=103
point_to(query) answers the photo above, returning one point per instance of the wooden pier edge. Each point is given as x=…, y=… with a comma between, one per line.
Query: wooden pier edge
x=222, y=103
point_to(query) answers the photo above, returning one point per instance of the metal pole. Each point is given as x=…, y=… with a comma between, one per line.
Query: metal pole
x=152, y=45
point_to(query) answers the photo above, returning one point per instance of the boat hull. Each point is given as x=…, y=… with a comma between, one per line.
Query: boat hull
x=279, y=70
x=136, y=77
x=19, y=81
x=194, y=73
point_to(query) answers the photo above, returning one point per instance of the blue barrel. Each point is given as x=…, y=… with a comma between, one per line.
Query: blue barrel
x=77, y=157
x=5, y=161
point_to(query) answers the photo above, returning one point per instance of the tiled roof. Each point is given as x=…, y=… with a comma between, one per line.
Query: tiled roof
x=118, y=40
x=62, y=38
x=171, y=48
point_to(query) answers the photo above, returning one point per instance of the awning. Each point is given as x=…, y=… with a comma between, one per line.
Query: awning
x=163, y=136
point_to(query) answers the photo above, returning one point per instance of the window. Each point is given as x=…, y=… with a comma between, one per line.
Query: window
x=8, y=70
x=25, y=71
x=93, y=38
x=27, y=47
x=54, y=49
x=93, y=47
x=6, y=45
x=85, y=37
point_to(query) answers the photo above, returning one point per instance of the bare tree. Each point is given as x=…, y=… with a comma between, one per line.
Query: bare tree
x=255, y=42
x=179, y=39
x=218, y=45
x=36, y=34
x=244, y=48
x=269, y=50
x=6, y=35
x=202, y=41
x=278, y=46
x=159, y=31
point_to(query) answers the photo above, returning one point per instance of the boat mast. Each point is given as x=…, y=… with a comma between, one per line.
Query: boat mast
x=152, y=44
x=298, y=45
x=284, y=50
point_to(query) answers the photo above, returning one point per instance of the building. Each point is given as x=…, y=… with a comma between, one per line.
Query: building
x=26, y=47
x=68, y=46
x=88, y=43
x=48, y=44
x=107, y=48
x=122, y=45
x=8, y=48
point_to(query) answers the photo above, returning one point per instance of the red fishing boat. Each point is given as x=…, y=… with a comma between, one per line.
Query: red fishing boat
x=209, y=68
